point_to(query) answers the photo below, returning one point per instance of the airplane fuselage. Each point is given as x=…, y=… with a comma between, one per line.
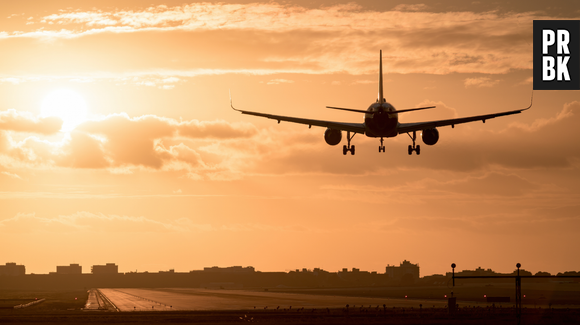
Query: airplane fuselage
x=381, y=121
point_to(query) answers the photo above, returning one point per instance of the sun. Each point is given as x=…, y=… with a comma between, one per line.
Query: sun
x=67, y=105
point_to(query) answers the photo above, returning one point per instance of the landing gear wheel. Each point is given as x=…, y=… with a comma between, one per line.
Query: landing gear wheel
x=347, y=148
x=412, y=148
x=382, y=146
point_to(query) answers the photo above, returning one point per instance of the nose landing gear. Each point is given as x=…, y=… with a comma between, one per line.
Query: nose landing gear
x=412, y=148
x=348, y=148
x=381, y=147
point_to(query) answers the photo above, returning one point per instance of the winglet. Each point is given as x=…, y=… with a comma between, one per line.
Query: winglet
x=380, y=99
x=531, y=101
x=232, y=103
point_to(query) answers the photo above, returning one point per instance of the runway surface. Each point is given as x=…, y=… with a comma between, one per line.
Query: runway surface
x=128, y=299
x=93, y=302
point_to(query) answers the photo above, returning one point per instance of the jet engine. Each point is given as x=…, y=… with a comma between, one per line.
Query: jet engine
x=430, y=136
x=332, y=136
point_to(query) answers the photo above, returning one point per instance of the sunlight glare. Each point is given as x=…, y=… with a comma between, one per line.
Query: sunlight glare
x=67, y=105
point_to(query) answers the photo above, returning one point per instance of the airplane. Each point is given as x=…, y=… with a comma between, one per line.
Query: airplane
x=381, y=121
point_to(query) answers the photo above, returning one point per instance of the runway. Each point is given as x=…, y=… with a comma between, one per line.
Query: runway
x=128, y=299
x=93, y=302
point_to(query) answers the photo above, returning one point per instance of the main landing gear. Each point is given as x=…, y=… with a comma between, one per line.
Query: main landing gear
x=412, y=148
x=348, y=148
x=381, y=147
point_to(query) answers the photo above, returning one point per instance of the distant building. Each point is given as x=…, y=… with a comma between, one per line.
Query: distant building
x=477, y=272
x=12, y=269
x=231, y=269
x=406, y=267
x=109, y=268
x=70, y=269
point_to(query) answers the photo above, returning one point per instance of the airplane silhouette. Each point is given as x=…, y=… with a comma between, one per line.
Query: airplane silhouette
x=381, y=121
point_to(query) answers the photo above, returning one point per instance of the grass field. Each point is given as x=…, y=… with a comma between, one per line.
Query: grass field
x=536, y=294
x=55, y=300
x=319, y=316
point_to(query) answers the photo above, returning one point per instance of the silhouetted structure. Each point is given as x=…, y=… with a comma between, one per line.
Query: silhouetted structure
x=231, y=269
x=406, y=267
x=477, y=272
x=107, y=276
x=109, y=268
x=11, y=269
x=69, y=269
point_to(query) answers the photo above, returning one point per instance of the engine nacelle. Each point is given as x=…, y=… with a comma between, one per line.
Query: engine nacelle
x=430, y=136
x=332, y=136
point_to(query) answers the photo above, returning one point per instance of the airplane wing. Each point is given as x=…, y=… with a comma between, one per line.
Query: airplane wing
x=352, y=127
x=410, y=127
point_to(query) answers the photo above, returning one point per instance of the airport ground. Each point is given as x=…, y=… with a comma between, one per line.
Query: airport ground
x=237, y=306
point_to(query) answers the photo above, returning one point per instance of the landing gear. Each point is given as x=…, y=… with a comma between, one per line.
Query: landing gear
x=412, y=148
x=348, y=148
x=381, y=147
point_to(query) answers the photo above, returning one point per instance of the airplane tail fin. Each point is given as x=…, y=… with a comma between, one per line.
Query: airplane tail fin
x=381, y=98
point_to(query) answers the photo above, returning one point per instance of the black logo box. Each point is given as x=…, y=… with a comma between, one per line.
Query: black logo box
x=573, y=27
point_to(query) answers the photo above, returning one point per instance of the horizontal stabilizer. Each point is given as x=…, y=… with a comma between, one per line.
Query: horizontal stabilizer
x=363, y=111
x=348, y=109
x=413, y=109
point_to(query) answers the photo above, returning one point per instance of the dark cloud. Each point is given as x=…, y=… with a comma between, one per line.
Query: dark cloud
x=83, y=151
x=131, y=141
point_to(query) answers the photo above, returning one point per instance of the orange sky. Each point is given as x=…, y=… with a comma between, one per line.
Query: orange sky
x=160, y=173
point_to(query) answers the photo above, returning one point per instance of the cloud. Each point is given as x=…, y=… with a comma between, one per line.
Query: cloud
x=216, y=129
x=13, y=120
x=566, y=114
x=85, y=221
x=14, y=81
x=292, y=38
x=519, y=146
x=220, y=150
x=365, y=82
x=279, y=81
x=527, y=81
x=410, y=7
x=480, y=82
x=83, y=151
x=11, y=175
x=493, y=184
x=91, y=18
x=121, y=143
x=474, y=190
